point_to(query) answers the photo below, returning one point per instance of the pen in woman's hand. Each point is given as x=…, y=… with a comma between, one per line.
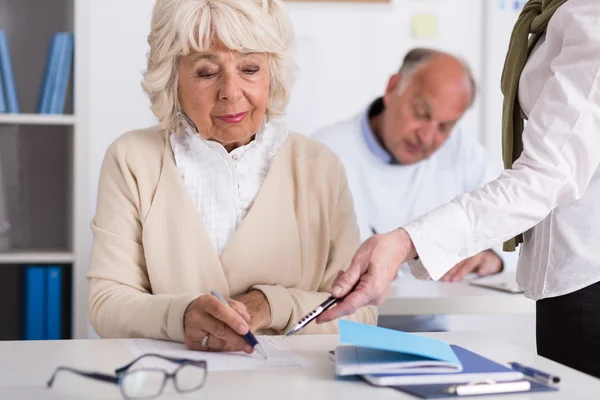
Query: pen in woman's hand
x=249, y=337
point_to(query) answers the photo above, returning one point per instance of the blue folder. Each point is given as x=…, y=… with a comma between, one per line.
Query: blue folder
x=7, y=75
x=50, y=76
x=35, y=299
x=54, y=303
x=374, y=337
x=386, y=357
x=372, y=349
x=63, y=73
x=2, y=100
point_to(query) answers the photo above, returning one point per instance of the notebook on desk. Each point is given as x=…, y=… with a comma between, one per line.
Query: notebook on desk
x=474, y=367
x=374, y=350
x=386, y=357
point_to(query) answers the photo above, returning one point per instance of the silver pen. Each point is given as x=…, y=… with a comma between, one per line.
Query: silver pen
x=313, y=314
x=327, y=304
x=250, y=338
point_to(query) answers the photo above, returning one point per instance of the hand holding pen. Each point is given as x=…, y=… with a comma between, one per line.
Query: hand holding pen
x=249, y=336
x=211, y=324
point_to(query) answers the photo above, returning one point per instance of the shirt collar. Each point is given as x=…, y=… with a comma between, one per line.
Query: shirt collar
x=189, y=129
x=269, y=138
x=373, y=144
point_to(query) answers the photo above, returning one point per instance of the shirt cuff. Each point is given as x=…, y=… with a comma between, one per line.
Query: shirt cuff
x=280, y=303
x=418, y=270
x=439, y=238
x=177, y=308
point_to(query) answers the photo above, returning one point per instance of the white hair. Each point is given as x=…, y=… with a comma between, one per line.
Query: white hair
x=180, y=27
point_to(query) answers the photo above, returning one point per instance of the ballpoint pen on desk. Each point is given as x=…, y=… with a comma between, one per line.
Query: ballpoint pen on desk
x=250, y=338
x=536, y=374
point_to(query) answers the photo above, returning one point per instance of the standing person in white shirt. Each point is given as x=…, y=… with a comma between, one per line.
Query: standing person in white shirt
x=405, y=156
x=551, y=192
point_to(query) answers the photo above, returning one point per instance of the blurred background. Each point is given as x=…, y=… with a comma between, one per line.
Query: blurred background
x=71, y=72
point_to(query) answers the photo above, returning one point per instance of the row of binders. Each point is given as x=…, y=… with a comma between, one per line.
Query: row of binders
x=43, y=302
x=56, y=80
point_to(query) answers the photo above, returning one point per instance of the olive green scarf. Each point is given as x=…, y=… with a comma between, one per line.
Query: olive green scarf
x=532, y=21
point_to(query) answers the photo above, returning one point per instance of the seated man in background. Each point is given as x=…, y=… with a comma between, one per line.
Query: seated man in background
x=404, y=156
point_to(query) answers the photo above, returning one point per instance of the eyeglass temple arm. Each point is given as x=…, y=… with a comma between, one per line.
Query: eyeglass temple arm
x=93, y=375
x=172, y=359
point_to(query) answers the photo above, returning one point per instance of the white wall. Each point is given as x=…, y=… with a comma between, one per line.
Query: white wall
x=112, y=58
x=117, y=56
x=347, y=51
x=500, y=23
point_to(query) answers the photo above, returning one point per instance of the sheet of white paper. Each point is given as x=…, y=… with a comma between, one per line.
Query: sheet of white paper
x=277, y=355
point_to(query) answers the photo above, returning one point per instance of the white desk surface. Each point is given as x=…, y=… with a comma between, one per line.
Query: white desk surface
x=26, y=366
x=412, y=297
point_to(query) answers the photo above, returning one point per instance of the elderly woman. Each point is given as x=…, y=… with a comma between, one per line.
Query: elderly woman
x=220, y=195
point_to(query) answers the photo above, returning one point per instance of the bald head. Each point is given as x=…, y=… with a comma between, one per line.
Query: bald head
x=423, y=102
x=441, y=67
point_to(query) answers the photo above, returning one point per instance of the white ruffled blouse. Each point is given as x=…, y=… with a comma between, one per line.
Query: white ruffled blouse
x=224, y=185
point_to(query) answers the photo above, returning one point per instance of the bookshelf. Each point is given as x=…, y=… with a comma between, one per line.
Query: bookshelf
x=42, y=166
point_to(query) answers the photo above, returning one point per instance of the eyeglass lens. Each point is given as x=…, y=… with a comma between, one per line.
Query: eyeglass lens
x=189, y=377
x=148, y=383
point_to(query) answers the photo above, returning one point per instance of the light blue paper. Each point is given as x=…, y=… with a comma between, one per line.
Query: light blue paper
x=375, y=337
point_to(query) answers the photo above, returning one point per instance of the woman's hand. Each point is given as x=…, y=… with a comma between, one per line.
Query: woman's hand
x=373, y=268
x=257, y=306
x=223, y=325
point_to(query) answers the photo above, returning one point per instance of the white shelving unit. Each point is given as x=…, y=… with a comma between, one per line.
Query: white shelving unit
x=37, y=257
x=37, y=119
x=42, y=156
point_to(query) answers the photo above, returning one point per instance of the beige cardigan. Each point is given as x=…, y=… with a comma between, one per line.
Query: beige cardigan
x=152, y=254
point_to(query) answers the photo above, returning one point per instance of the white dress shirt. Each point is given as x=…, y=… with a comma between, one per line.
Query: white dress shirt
x=553, y=190
x=224, y=185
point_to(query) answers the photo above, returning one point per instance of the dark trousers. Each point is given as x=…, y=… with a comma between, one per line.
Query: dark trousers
x=568, y=329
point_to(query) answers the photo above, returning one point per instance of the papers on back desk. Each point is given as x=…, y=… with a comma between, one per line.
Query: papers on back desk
x=278, y=356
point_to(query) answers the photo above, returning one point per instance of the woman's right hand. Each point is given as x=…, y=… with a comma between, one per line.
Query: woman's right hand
x=224, y=325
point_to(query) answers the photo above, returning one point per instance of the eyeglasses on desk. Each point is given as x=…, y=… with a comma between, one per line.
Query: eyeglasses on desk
x=148, y=383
